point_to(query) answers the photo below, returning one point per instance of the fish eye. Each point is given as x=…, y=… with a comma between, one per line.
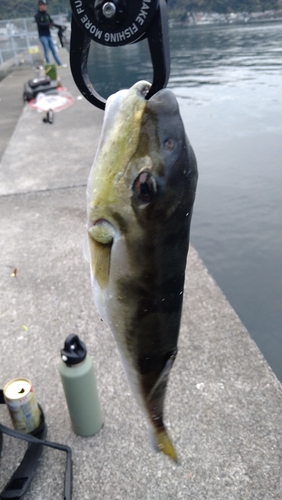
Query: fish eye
x=169, y=144
x=144, y=186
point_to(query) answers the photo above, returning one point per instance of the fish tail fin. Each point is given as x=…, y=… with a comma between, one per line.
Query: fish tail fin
x=165, y=445
x=162, y=442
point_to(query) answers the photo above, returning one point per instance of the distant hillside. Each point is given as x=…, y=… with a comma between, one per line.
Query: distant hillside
x=177, y=8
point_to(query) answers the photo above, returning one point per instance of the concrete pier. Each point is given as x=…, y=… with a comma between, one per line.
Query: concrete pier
x=224, y=404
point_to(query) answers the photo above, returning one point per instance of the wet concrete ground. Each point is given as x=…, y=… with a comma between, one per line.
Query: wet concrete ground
x=224, y=404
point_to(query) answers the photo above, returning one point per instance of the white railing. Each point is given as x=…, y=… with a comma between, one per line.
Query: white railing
x=19, y=38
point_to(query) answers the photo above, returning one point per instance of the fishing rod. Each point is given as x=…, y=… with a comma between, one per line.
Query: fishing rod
x=115, y=23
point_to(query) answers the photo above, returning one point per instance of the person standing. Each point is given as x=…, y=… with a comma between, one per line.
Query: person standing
x=44, y=23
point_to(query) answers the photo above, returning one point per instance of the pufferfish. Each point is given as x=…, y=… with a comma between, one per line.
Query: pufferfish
x=140, y=196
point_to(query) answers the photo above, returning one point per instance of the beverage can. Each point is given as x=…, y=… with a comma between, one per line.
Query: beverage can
x=22, y=405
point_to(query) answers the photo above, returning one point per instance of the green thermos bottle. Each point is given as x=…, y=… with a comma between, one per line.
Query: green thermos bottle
x=79, y=383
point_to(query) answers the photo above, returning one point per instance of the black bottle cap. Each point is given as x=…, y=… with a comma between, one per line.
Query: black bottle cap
x=74, y=351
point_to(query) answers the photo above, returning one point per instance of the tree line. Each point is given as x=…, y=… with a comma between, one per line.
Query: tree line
x=179, y=8
x=176, y=8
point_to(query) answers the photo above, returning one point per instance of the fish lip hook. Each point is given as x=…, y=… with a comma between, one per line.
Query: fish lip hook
x=158, y=40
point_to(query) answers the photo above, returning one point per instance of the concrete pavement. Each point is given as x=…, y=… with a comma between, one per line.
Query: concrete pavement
x=224, y=404
x=11, y=102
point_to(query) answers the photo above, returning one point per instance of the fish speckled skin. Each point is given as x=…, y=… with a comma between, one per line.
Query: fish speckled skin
x=140, y=197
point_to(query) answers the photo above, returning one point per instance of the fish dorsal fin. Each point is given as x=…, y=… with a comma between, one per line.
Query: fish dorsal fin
x=164, y=375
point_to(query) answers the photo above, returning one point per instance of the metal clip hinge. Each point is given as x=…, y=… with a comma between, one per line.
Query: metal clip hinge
x=155, y=29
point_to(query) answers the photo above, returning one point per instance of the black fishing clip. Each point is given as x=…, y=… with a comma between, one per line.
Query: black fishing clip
x=115, y=23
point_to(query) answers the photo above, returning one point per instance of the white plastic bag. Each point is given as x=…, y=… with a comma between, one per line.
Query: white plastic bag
x=56, y=100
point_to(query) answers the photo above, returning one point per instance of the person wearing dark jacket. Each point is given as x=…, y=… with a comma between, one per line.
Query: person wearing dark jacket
x=44, y=23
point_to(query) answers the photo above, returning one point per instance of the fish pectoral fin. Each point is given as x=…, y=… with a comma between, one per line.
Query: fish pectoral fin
x=164, y=444
x=100, y=262
x=85, y=249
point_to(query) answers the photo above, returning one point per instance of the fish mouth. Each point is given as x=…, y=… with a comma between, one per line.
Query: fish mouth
x=143, y=89
x=100, y=221
x=102, y=231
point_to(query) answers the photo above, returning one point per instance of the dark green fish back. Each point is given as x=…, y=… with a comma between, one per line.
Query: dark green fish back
x=160, y=254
